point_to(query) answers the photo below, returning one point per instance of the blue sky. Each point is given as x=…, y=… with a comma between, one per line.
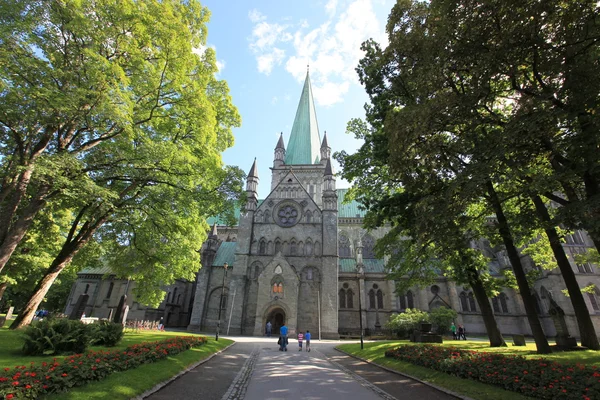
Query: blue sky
x=263, y=48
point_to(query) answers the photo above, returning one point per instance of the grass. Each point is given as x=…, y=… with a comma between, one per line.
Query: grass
x=120, y=385
x=375, y=352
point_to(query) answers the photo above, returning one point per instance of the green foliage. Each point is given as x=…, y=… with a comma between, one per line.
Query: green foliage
x=442, y=318
x=56, y=336
x=106, y=333
x=404, y=323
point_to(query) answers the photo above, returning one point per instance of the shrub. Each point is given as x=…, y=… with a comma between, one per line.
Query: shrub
x=106, y=333
x=540, y=378
x=33, y=380
x=442, y=318
x=407, y=321
x=56, y=336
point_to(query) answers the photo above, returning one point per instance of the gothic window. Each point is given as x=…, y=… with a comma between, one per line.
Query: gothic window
x=259, y=216
x=344, y=247
x=372, y=299
x=582, y=267
x=309, y=274
x=308, y=248
x=350, y=298
x=410, y=299
x=169, y=297
x=503, y=303
x=223, y=301
x=379, y=299
x=278, y=270
x=463, y=301
x=287, y=215
x=262, y=247
x=266, y=216
x=495, y=305
x=594, y=299
x=402, y=299
x=472, y=302
x=110, y=289
x=87, y=287
x=277, y=246
x=317, y=248
x=278, y=287
x=342, y=298
x=368, y=247
x=308, y=216
x=293, y=248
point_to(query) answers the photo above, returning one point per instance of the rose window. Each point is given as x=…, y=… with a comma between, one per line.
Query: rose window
x=288, y=215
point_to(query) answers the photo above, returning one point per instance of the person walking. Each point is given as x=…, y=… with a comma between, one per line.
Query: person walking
x=300, y=338
x=461, y=333
x=268, y=328
x=307, y=338
x=283, y=339
x=453, y=330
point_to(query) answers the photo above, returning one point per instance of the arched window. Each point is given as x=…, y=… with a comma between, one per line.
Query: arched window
x=266, y=216
x=503, y=303
x=464, y=304
x=342, y=298
x=308, y=217
x=278, y=287
x=256, y=271
x=350, y=298
x=223, y=301
x=110, y=289
x=262, y=247
x=379, y=299
x=317, y=248
x=277, y=246
x=293, y=248
x=472, y=302
x=372, y=298
x=368, y=247
x=495, y=305
x=309, y=274
x=594, y=299
x=308, y=248
x=402, y=298
x=410, y=300
x=169, y=297
x=344, y=247
x=87, y=287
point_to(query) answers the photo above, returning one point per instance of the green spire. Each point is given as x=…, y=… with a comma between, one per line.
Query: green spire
x=305, y=142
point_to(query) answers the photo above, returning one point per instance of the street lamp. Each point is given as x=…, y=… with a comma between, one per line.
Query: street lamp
x=221, y=300
x=362, y=346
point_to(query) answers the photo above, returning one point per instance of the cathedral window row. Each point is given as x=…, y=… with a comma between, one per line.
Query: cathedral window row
x=345, y=247
x=406, y=300
x=467, y=302
x=291, y=248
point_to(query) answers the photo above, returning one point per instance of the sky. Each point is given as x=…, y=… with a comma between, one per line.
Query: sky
x=263, y=48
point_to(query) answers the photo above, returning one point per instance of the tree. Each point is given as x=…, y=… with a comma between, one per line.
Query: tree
x=142, y=141
x=80, y=76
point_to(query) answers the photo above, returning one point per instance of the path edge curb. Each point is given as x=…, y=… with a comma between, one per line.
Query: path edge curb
x=441, y=389
x=162, y=384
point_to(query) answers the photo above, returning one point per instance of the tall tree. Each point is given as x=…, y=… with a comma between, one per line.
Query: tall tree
x=79, y=75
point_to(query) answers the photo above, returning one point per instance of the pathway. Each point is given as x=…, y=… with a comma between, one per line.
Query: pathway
x=254, y=369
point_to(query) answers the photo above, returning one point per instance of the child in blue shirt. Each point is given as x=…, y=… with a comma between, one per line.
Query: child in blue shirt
x=307, y=338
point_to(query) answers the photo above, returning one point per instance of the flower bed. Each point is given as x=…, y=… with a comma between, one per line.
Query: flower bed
x=532, y=377
x=30, y=381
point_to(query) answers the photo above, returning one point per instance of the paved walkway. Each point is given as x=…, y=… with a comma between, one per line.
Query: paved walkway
x=254, y=369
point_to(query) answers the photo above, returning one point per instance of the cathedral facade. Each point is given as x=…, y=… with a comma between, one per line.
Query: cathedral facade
x=301, y=257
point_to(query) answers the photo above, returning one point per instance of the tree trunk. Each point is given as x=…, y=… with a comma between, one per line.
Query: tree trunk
x=3, y=287
x=16, y=233
x=587, y=331
x=494, y=334
x=528, y=301
x=8, y=210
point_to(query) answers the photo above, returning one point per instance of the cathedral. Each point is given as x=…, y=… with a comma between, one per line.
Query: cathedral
x=300, y=257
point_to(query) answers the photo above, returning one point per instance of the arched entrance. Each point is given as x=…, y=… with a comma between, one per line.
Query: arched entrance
x=277, y=318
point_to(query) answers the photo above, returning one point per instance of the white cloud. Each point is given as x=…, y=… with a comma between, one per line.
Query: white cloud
x=332, y=49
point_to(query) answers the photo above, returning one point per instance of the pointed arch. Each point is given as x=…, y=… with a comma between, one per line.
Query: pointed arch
x=342, y=298
x=344, y=247
x=308, y=247
x=368, y=250
x=262, y=247
x=349, y=298
x=464, y=304
x=293, y=247
x=503, y=303
x=410, y=299
x=308, y=215
x=266, y=215
x=472, y=305
x=379, y=299
x=372, y=303
x=317, y=248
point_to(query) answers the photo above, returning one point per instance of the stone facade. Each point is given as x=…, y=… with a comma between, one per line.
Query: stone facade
x=300, y=256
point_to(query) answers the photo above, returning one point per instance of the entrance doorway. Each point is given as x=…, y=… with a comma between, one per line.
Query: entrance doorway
x=277, y=318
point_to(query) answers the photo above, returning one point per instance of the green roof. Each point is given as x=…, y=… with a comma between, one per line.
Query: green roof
x=371, y=265
x=304, y=146
x=96, y=271
x=348, y=210
x=225, y=254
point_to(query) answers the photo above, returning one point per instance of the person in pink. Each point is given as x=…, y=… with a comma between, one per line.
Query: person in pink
x=300, y=339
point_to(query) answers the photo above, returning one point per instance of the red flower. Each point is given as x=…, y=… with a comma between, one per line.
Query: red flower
x=64, y=374
x=10, y=396
x=27, y=386
x=15, y=383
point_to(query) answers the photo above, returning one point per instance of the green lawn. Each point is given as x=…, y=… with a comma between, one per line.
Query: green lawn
x=375, y=352
x=121, y=385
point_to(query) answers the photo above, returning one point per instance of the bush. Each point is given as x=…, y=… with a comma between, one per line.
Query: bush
x=407, y=321
x=34, y=380
x=56, y=336
x=442, y=318
x=540, y=378
x=106, y=333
